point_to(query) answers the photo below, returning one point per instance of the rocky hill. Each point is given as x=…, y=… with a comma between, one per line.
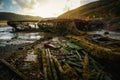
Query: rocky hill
x=7, y=16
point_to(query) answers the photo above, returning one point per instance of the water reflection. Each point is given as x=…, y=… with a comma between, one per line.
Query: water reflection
x=7, y=37
x=113, y=35
x=5, y=29
x=32, y=36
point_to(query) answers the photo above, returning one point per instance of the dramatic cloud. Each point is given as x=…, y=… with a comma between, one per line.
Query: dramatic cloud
x=42, y=2
x=14, y=2
x=1, y=4
x=1, y=1
x=29, y=4
x=43, y=8
x=25, y=4
x=46, y=8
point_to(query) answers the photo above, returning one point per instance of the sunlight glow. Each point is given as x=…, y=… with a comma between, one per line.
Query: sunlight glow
x=53, y=9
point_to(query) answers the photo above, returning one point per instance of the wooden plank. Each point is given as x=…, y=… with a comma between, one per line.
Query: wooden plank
x=44, y=61
x=13, y=69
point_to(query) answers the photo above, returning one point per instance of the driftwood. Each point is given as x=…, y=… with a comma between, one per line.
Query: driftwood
x=73, y=64
x=52, y=65
x=48, y=65
x=79, y=56
x=51, y=46
x=58, y=64
x=13, y=69
x=44, y=65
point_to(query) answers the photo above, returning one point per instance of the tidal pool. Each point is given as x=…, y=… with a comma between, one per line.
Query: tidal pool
x=111, y=34
x=7, y=37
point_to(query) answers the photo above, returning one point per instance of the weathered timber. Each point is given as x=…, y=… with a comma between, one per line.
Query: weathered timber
x=58, y=64
x=79, y=56
x=52, y=65
x=73, y=64
x=44, y=65
x=13, y=69
x=48, y=65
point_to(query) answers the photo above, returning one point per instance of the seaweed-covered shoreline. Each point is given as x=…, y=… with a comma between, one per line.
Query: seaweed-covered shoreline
x=64, y=53
x=55, y=59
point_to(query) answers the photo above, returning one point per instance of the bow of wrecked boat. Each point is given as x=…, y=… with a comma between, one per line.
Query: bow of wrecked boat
x=61, y=54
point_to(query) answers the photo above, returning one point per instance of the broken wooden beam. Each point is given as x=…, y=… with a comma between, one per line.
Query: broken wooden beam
x=13, y=69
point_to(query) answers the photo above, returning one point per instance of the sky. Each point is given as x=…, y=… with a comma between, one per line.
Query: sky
x=43, y=8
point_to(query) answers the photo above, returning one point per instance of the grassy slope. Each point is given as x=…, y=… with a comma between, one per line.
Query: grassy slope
x=12, y=16
x=98, y=9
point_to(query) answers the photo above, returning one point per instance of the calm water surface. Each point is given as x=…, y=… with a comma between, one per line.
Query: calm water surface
x=113, y=35
x=8, y=38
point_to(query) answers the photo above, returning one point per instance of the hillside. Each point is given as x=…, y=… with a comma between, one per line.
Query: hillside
x=6, y=16
x=97, y=9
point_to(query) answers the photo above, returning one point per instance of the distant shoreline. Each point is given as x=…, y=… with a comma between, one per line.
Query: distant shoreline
x=3, y=23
